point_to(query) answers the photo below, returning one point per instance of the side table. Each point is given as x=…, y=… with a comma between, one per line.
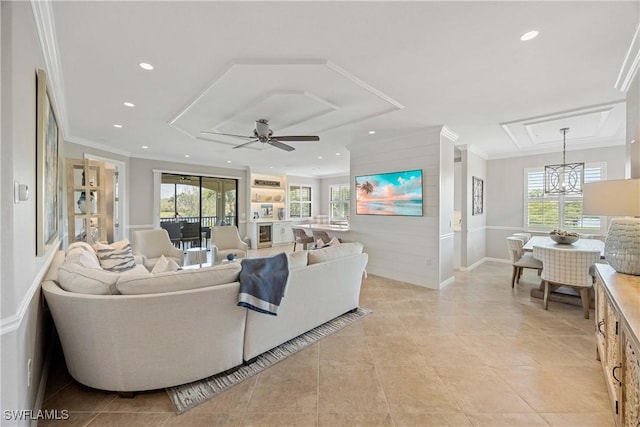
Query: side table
x=195, y=256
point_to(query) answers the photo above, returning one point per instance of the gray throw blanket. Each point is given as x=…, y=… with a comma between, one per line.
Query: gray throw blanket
x=263, y=282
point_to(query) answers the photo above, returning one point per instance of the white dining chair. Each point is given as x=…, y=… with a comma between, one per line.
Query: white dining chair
x=523, y=236
x=520, y=259
x=567, y=267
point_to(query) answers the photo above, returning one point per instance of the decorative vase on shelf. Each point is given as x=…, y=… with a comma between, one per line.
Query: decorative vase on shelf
x=82, y=203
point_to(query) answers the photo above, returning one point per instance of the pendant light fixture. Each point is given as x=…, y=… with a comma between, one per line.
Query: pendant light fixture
x=566, y=178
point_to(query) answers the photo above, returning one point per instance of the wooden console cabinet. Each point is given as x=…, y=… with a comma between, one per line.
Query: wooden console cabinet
x=618, y=346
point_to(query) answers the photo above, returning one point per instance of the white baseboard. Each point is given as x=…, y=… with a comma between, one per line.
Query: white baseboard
x=502, y=260
x=447, y=282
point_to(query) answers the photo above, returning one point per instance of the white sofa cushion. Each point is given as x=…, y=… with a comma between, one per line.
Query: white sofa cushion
x=297, y=259
x=116, y=257
x=179, y=280
x=76, y=278
x=165, y=264
x=332, y=252
x=82, y=254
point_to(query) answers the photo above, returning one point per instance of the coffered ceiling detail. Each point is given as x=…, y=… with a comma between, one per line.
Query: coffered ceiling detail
x=599, y=124
x=302, y=97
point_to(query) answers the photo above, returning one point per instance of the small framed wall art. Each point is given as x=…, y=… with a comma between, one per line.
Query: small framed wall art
x=477, y=196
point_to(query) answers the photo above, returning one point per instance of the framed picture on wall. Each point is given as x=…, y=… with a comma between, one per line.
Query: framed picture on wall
x=266, y=210
x=477, y=196
x=47, y=144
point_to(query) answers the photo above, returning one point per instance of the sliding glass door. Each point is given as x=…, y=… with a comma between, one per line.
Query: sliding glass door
x=208, y=201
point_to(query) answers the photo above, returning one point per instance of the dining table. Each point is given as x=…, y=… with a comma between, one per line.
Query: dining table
x=579, y=245
x=563, y=293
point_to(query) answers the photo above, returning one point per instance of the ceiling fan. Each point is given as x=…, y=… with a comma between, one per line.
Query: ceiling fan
x=263, y=134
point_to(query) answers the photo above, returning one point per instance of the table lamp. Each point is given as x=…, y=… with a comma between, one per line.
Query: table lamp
x=619, y=197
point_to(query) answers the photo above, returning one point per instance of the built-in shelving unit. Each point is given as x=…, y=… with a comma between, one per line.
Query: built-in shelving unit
x=87, y=191
x=268, y=197
x=268, y=202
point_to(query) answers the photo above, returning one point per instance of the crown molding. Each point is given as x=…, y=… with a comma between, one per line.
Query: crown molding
x=97, y=146
x=45, y=24
x=630, y=66
x=449, y=133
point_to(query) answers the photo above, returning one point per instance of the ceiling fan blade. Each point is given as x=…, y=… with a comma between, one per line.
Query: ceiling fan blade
x=280, y=145
x=297, y=138
x=227, y=134
x=246, y=143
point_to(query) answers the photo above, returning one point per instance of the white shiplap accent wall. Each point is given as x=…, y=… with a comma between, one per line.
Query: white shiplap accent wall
x=401, y=248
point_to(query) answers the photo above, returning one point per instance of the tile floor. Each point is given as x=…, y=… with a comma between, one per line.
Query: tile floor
x=474, y=354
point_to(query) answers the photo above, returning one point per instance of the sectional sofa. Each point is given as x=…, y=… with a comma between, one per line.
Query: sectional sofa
x=142, y=331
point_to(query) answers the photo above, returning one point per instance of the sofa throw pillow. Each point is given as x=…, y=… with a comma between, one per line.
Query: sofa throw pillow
x=165, y=264
x=297, y=259
x=180, y=280
x=334, y=241
x=332, y=252
x=116, y=257
x=75, y=278
x=81, y=253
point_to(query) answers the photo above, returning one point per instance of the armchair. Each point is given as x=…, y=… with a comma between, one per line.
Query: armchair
x=225, y=240
x=152, y=244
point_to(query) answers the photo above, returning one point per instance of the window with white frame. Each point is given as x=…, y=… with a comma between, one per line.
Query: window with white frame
x=339, y=201
x=299, y=201
x=559, y=211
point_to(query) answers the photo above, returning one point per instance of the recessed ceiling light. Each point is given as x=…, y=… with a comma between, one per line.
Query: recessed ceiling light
x=320, y=157
x=338, y=154
x=187, y=156
x=530, y=35
x=144, y=147
x=270, y=167
x=117, y=126
x=632, y=141
x=129, y=104
x=146, y=66
x=371, y=132
x=228, y=161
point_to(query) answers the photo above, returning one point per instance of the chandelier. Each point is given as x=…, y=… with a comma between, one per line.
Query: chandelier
x=566, y=178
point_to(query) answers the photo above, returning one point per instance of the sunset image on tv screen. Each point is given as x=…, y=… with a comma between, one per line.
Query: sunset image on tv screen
x=395, y=193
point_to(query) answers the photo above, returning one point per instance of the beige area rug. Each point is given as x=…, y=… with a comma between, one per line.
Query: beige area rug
x=187, y=396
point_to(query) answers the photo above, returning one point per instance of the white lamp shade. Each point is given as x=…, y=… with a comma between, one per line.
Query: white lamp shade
x=617, y=197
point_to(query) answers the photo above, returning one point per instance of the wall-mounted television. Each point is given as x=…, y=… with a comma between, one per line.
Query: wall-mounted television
x=392, y=193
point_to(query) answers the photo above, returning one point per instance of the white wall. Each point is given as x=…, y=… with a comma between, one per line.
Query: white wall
x=446, y=193
x=505, y=190
x=400, y=247
x=473, y=232
x=24, y=326
x=633, y=129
